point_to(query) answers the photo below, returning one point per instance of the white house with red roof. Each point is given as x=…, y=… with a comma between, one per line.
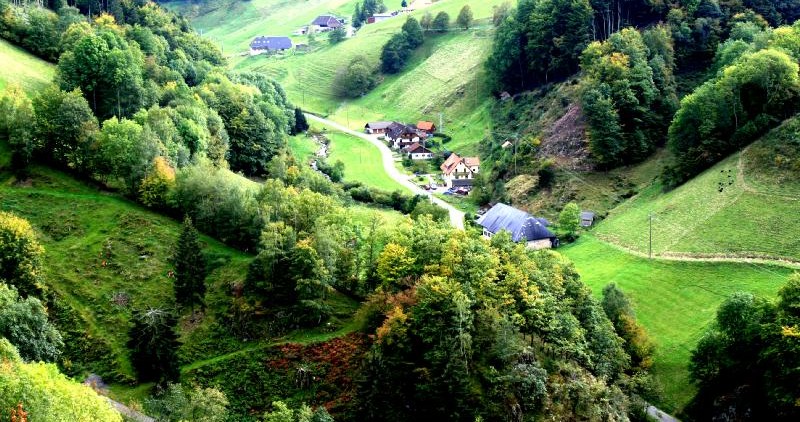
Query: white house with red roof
x=460, y=171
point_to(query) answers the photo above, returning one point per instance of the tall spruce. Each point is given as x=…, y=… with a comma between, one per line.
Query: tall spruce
x=154, y=344
x=190, y=268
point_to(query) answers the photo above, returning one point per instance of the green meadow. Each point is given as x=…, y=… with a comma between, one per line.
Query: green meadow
x=19, y=67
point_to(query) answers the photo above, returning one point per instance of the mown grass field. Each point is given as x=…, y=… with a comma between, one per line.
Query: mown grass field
x=732, y=209
x=17, y=66
x=674, y=300
x=362, y=162
x=445, y=76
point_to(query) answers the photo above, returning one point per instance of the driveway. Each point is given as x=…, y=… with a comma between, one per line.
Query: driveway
x=456, y=216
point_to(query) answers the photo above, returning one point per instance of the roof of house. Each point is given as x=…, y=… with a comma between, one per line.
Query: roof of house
x=462, y=183
x=271, y=43
x=450, y=163
x=327, y=21
x=396, y=130
x=472, y=161
x=427, y=126
x=378, y=125
x=587, y=215
x=520, y=224
x=416, y=148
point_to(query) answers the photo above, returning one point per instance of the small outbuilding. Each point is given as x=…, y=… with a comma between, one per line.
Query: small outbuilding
x=587, y=219
x=325, y=23
x=427, y=127
x=418, y=152
x=522, y=226
x=377, y=127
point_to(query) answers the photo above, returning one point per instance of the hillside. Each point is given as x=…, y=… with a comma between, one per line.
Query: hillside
x=17, y=66
x=733, y=209
x=674, y=300
x=429, y=85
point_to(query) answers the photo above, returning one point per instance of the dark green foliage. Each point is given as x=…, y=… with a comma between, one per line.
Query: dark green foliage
x=66, y=127
x=414, y=35
x=541, y=44
x=629, y=95
x=441, y=23
x=355, y=79
x=24, y=323
x=724, y=114
x=337, y=35
x=395, y=54
x=190, y=268
x=153, y=344
x=746, y=365
x=300, y=122
x=465, y=18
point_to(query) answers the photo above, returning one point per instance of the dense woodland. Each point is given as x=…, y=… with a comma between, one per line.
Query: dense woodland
x=450, y=326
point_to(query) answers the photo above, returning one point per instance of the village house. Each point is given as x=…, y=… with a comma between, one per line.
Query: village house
x=375, y=128
x=326, y=23
x=523, y=227
x=460, y=171
x=380, y=17
x=427, y=127
x=418, y=152
x=261, y=45
x=401, y=135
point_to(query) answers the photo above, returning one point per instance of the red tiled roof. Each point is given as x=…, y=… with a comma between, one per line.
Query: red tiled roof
x=472, y=161
x=423, y=125
x=450, y=164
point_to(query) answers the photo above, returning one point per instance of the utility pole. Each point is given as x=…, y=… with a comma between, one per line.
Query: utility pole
x=650, y=253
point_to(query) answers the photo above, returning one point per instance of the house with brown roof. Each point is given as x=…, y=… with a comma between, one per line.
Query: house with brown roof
x=460, y=171
x=418, y=152
x=401, y=135
x=324, y=23
x=427, y=127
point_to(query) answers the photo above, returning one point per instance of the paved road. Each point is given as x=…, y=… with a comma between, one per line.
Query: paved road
x=660, y=416
x=456, y=216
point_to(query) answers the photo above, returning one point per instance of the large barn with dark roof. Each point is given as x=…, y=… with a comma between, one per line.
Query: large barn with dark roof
x=522, y=226
x=261, y=45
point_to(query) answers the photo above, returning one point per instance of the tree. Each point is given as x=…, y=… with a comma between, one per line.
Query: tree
x=337, y=35
x=20, y=255
x=395, y=54
x=125, y=150
x=570, y=219
x=637, y=343
x=404, y=3
x=394, y=264
x=426, y=21
x=414, y=34
x=153, y=344
x=465, y=17
x=300, y=122
x=65, y=127
x=156, y=186
x=190, y=268
x=16, y=125
x=355, y=79
x=500, y=13
x=441, y=23
x=24, y=323
x=182, y=403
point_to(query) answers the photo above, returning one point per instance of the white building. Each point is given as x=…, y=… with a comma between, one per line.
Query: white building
x=459, y=171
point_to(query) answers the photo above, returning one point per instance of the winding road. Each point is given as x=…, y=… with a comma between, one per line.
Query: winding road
x=456, y=216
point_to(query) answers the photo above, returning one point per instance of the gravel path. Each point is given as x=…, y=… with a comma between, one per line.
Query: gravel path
x=456, y=216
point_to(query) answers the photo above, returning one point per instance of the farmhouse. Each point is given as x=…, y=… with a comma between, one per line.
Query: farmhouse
x=522, y=226
x=418, y=152
x=261, y=45
x=427, y=127
x=377, y=127
x=325, y=23
x=401, y=135
x=459, y=171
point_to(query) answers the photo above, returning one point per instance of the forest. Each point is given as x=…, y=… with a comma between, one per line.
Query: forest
x=441, y=324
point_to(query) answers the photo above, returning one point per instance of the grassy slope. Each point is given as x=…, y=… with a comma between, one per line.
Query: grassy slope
x=362, y=162
x=233, y=24
x=674, y=300
x=743, y=219
x=446, y=75
x=20, y=67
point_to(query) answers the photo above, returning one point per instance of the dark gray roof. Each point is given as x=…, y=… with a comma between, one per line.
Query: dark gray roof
x=378, y=125
x=396, y=130
x=520, y=224
x=461, y=183
x=587, y=215
x=327, y=21
x=271, y=43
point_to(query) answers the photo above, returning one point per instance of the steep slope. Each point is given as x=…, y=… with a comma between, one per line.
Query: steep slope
x=17, y=66
x=743, y=207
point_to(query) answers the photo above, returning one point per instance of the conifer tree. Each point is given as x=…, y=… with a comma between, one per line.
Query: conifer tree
x=153, y=344
x=190, y=268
